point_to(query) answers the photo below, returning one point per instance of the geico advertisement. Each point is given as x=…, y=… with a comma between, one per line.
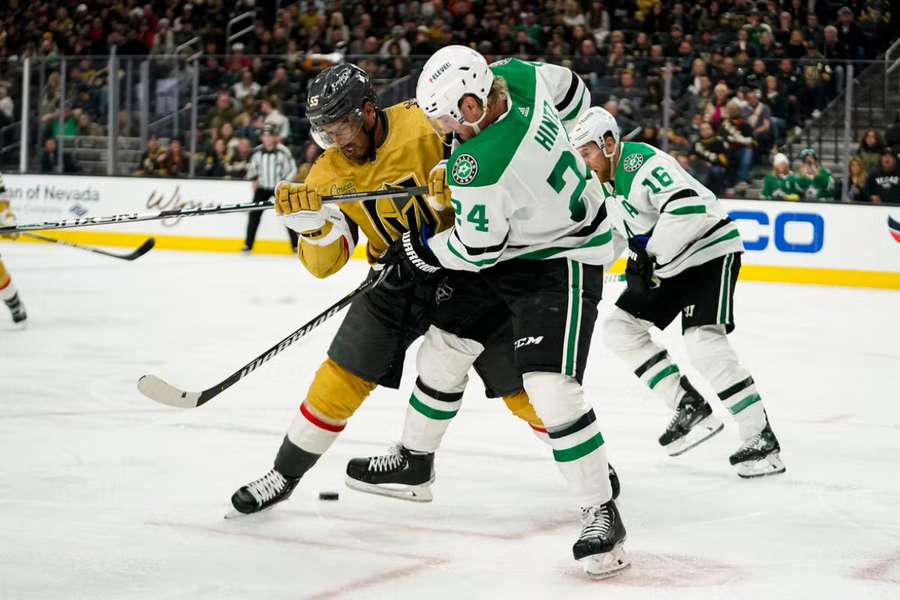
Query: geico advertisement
x=39, y=198
x=839, y=236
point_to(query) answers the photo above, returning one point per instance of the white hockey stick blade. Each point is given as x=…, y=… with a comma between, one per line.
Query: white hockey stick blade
x=159, y=391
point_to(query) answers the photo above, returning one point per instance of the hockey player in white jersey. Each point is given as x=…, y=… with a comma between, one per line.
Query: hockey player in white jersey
x=684, y=255
x=531, y=219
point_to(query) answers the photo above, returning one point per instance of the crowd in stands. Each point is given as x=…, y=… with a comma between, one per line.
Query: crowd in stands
x=746, y=75
x=874, y=173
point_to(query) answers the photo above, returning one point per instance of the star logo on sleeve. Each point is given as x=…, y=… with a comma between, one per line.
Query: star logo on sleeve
x=633, y=162
x=465, y=168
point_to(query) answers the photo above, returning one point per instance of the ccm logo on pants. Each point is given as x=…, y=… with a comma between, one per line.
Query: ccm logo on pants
x=529, y=341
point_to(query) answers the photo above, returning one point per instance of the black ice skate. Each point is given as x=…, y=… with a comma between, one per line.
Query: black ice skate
x=601, y=546
x=692, y=424
x=759, y=456
x=614, y=482
x=262, y=494
x=16, y=309
x=400, y=474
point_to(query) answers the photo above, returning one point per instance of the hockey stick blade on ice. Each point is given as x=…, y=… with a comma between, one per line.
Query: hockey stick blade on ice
x=137, y=253
x=220, y=209
x=158, y=390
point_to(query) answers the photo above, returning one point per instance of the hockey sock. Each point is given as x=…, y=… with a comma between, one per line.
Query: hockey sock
x=629, y=337
x=308, y=437
x=7, y=288
x=716, y=360
x=578, y=446
x=333, y=397
x=428, y=415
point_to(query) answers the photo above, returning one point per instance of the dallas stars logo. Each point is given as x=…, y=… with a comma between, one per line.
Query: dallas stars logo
x=633, y=162
x=465, y=169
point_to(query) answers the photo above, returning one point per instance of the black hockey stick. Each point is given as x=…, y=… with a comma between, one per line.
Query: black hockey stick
x=156, y=389
x=138, y=252
x=219, y=209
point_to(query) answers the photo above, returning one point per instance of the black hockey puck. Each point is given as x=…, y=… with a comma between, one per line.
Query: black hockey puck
x=328, y=496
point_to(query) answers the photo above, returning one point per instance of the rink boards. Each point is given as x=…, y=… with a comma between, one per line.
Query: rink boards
x=812, y=243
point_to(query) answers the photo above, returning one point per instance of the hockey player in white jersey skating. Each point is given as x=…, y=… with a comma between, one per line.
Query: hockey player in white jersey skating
x=684, y=255
x=532, y=221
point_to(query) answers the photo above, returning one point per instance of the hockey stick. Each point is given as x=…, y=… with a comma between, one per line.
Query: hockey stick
x=138, y=252
x=158, y=390
x=219, y=209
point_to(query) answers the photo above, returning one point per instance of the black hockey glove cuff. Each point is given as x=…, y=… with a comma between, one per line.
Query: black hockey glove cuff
x=410, y=260
x=639, y=268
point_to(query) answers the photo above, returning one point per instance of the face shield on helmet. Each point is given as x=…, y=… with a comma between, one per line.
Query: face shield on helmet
x=338, y=132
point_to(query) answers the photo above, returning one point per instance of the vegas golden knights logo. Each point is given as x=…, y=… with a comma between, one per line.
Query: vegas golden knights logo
x=393, y=216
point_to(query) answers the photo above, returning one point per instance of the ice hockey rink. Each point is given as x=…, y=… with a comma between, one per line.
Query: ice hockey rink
x=104, y=494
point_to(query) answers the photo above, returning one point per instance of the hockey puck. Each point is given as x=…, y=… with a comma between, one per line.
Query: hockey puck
x=328, y=496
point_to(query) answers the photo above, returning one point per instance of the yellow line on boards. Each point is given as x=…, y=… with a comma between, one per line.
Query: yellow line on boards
x=775, y=274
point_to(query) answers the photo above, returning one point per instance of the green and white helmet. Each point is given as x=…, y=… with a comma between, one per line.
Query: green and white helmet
x=595, y=125
x=450, y=74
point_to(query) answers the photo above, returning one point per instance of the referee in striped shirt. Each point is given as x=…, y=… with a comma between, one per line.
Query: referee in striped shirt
x=270, y=163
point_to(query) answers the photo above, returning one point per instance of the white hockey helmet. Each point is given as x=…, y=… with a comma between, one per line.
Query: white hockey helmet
x=594, y=126
x=450, y=74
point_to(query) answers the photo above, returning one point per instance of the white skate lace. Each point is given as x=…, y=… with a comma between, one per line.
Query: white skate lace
x=388, y=462
x=597, y=522
x=266, y=487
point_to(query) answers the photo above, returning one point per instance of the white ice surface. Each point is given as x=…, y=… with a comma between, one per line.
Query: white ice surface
x=105, y=495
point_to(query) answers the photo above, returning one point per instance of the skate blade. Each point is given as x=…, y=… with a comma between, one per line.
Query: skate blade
x=698, y=434
x=413, y=493
x=236, y=514
x=606, y=565
x=770, y=465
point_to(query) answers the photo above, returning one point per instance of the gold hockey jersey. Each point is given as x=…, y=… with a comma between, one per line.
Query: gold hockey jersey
x=409, y=151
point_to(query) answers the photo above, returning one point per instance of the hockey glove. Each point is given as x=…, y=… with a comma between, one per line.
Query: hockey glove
x=438, y=188
x=409, y=259
x=639, y=269
x=300, y=207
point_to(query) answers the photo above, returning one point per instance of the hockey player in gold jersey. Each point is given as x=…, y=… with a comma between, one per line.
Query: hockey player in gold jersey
x=370, y=149
x=8, y=292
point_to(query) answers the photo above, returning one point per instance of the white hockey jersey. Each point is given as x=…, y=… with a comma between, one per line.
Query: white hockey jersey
x=519, y=188
x=657, y=201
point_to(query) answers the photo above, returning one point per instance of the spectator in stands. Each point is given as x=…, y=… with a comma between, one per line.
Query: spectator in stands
x=629, y=93
x=781, y=183
x=857, y=189
x=396, y=39
x=151, y=164
x=238, y=61
x=711, y=149
x=176, y=162
x=280, y=86
x=214, y=163
x=50, y=159
x=7, y=106
x=884, y=184
x=626, y=125
x=760, y=118
x=272, y=116
x=237, y=163
x=738, y=135
x=716, y=110
x=223, y=112
x=815, y=182
x=871, y=147
x=87, y=126
x=851, y=34
x=245, y=87
x=812, y=96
